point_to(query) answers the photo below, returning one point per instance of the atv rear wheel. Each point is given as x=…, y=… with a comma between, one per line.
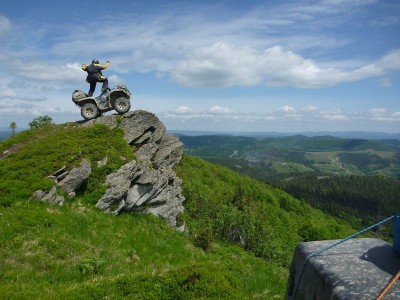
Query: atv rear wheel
x=90, y=111
x=122, y=105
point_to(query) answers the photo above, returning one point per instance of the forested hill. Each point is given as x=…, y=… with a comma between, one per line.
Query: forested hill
x=354, y=179
x=296, y=142
x=327, y=143
x=239, y=239
x=276, y=158
x=368, y=198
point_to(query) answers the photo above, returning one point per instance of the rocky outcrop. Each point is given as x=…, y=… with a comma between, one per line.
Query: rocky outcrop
x=50, y=197
x=67, y=181
x=147, y=184
x=75, y=178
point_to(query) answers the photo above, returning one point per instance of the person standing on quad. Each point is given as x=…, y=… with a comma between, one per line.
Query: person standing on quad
x=95, y=75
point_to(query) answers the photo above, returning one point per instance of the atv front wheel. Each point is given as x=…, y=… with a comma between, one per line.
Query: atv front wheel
x=90, y=111
x=122, y=105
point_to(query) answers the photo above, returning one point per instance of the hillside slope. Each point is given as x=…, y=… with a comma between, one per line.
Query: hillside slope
x=75, y=251
x=223, y=205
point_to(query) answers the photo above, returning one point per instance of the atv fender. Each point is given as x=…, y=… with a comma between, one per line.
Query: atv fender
x=82, y=102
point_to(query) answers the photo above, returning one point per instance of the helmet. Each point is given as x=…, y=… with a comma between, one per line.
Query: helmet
x=95, y=61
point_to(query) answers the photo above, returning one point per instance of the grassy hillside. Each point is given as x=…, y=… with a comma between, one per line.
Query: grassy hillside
x=78, y=252
x=239, y=240
x=223, y=205
x=39, y=153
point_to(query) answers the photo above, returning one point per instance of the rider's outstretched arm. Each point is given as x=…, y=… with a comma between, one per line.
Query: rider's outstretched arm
x=105, y=66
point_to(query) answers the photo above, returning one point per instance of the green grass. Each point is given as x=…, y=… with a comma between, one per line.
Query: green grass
x=49, y=148
x=77, y=252
x=223, y=205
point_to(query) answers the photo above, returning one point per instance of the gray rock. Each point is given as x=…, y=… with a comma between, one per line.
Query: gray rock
x=148, y=184
x=67, y=181
x=109, y=121
x=356, y=269
x=169, y=152
x=138, y=188
x=58, y=175
x=75, y=178
x=50, y=197
x=119, y=184
x=142, y=127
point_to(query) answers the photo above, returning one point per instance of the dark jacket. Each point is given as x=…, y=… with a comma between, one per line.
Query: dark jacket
x=94, y=71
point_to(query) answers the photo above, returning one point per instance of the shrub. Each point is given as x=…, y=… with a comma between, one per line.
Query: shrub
x=40, y=122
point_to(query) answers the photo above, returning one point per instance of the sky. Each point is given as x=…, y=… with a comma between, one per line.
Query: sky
x=221, y=65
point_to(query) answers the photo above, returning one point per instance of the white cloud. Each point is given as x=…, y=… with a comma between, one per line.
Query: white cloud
x=115, y=79
x=40, y=70
x=286, y=109
x=391, y=61
x=183, y=110
x=8, y=93
x=5, y=25
x=224, y=65
x=218, y=110
x=334, y=115
x=328, y=119
x=310, y=108
x=219, y=65
x=380, y=114
x=377, y=111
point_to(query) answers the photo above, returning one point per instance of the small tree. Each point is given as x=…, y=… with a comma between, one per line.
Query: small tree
x=13, y=126
x=40, y=121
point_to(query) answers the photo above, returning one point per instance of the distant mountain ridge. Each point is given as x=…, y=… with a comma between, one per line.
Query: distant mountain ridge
x=261, y=134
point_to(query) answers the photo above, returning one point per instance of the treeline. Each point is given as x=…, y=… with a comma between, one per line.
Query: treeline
x=296, y=142
x=370, y=198
x=366, y=161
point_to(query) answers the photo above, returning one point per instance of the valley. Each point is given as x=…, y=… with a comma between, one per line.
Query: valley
x=356, y=180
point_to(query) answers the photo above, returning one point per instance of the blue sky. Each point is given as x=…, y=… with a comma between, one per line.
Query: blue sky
x=285, y=66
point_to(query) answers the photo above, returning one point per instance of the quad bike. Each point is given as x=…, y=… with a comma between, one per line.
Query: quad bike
x=117, y=98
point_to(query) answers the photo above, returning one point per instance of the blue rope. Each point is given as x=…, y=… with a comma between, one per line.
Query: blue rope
x=337, y=243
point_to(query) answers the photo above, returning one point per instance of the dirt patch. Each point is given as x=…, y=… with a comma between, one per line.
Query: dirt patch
x=14, y=148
